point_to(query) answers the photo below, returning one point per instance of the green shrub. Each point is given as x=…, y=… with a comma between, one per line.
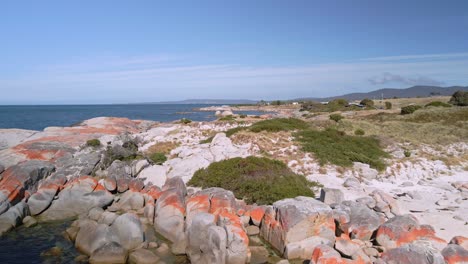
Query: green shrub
x=336, y=117
x=254, y=179
x=407, y=153
x=227, y=118
x=232, y=131
x=388, y=105
x=278, y=124
x=340, y=102
x=459, y=98
x=367, y=102
x=208, y=140
x=336, y=147
x=242, y=115
x=438, y=104
x=406, y=110
x=359, y=132
x=158, y=158
x=185, y=121
x=93, y=143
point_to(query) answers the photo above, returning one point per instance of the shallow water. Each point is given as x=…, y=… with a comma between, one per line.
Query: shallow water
x=25, y=245
x=39, y=117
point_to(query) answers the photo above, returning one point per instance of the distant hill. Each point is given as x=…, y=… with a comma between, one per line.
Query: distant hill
x=415, y=91
x=209, y=101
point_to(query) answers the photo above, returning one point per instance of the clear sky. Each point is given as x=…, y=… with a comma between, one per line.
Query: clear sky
x=143, y=51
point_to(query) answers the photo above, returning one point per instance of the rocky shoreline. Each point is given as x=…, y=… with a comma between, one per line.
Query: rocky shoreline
x=123, y=205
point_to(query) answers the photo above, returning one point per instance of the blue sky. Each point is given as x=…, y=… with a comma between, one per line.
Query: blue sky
x=139, y=51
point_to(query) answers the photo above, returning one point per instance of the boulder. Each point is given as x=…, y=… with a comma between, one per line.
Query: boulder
x=294, y=220
x=362, y=221
x=119, y=170
x=138, y=166
x=129, y=231
x=131, y=201
x=259, y=255
x=143, y=256
x=110, y=184
x=4, y=202
x=122, y=184
x=325, y=254
x=82, y=163
x=253, y=230
x=92, y=236
x=304, y=249
x=2, y=169
x=155, y=174
x=13, y=217
x=346, y=246
x=365, y=171
x=107, y=218
x=237, y=239
x=455, y=254
x=405, y=229
x=170, y=213
x=256, y=214
x=111, y=252
x=461, y=241
x=385, y=203
x=198, y=248
x=25, y=176
x=331, y=196
x=95, y=213
x=41, y=199
x=352, y=182
x=414, y=254
x=196, y=204
x=78, y=197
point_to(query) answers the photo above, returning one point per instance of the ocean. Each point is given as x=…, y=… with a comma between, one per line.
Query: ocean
x=38, y=117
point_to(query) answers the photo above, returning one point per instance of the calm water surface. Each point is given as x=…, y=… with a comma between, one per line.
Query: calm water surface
x=40, y=117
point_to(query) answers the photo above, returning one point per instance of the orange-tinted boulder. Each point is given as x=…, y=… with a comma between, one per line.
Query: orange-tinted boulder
x=455, y=254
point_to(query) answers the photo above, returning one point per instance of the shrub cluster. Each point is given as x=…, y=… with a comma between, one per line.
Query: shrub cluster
x=388, y=105
x=336, y=117
x=406, y=110
x=367, y=102
x=336, y=147
x=459, y=98
x=93, y=143
x=359, y=132
x=157, y=158
x=254, y=179
x=185, y=121
x=438, y=104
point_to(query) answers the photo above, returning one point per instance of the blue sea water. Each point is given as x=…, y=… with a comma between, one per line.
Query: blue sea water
x=39, y=117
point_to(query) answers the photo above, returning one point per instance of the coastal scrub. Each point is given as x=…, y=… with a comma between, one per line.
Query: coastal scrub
x=254, y=179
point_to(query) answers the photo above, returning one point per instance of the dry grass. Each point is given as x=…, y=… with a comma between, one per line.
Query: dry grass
x=162, y=147
x=400, y=102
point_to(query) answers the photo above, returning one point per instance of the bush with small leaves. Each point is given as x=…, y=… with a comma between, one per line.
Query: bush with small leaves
x=93, y=143
x=336, y=117
x=185, y=121
x=459, y=98
x=242, y=115
x=437, y=104
x=367, y=102
x=388, y=105
x=406, y=110
x=254, y=179
x=158, y=158
x=359, y=132
x=407, y=153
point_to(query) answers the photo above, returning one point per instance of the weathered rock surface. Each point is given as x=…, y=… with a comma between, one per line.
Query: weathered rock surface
x=296, y=220
x=414, y=254
x=13, y=217
x=331, y=196
x=405, y=229
x=357, y=220
x=41, y=199
x=128, y=230
x=77, y=197
x=22, y=178
x=170, y=213
x=109, y=253
x=455, y=254
x=143, y=256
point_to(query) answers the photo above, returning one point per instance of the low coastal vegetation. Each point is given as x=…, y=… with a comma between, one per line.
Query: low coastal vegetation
x=459, y=98
x=158, y=158
x=333, y=146
x=437, y=104
x=406, y=110
x=93, y=143
x=336, y=117
x=185, y=121
x=254, y=179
